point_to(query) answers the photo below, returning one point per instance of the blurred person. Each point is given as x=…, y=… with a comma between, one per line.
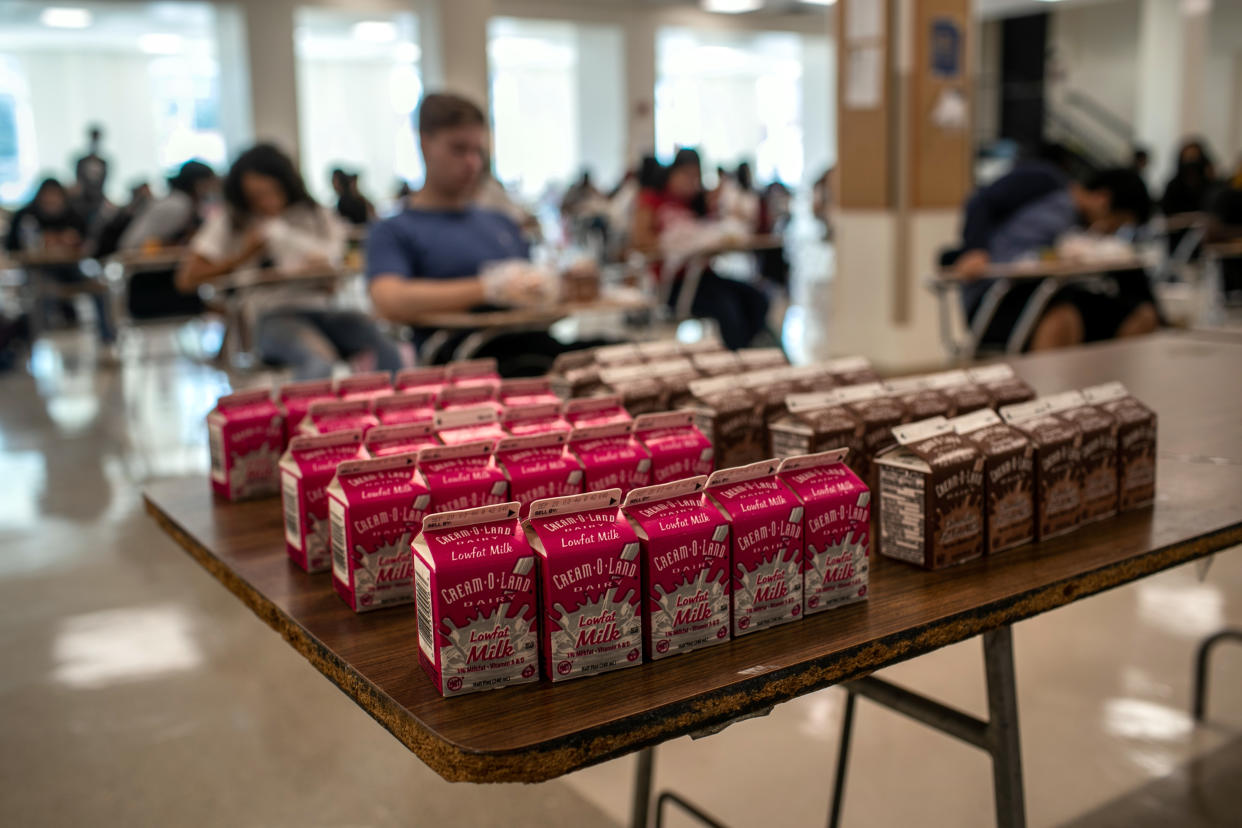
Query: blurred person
x=1140, y=160
x=580, y=194
x=173, y=219
x=737, y=198
x=1188, y=190
x=822, y=199
x=1026, y=212
x=680, y=206
x=140, y=198
x=271, y=220
x=90, y=174
x=351, y=204
x=1225, y=225
x=491, y=194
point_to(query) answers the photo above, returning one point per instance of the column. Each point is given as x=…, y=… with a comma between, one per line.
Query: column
x=463, y=48
x=236, y=121
x=273, y=73
x=640, y=81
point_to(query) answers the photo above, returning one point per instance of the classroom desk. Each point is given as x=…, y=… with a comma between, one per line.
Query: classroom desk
x=540, y=731
x=694, y=265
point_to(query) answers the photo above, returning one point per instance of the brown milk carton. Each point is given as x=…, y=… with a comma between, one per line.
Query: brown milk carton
x=1001, y=384
x=461, y=477
x=294, y=400
x=1136, y=441
x=851, y=370
x=539, y=466
x=765, y=520
x=590, y=584
x=811, y=378
x=308, y=466
x=611, y=458
x=706, y=345
x=1058, y=466
x=685, y=559
x=367, y=386
x=245, y=433
x=469, y=425
x=1008, y=478
x=814, y=423
x=327, y=416
x=879, y=414
x=730, y=417
x=639, y=391
x=964, y=395
x=376, y=507
x=474, y=586
x=836, y=528
x=578, y=381
x=1099, y=453
x=430, y=379
x=472, y=372
x=530, y=391
x=931, y=496
x=595, y=411
x=473, y=395
x=660, y=351
x=382, y=441
x=920, y=400
x=404, y=407
x=770, y=387
x=758, y=359
x=717, y=363
x=678, y=449
x=613, y=356
x=674, y=376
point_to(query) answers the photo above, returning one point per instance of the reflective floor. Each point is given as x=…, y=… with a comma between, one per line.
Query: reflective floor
x=138, y=692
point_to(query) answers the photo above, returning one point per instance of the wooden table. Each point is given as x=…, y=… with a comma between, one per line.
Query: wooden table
x=540, y=731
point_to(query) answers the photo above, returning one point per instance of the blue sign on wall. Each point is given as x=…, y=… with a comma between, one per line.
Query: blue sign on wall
x=946, y=48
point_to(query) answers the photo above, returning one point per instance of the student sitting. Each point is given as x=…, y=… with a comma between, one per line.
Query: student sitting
x=270, y=219
x=1024, y=213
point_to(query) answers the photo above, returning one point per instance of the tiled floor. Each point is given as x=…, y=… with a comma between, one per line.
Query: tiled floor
x=136, y=691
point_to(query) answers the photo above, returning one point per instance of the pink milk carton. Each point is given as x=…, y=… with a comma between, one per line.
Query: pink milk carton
x=469, y=425
x=522, y=420
x=245, y=433
x=678, y=449
x=530, y=391
x=765, y=518
x=685, y=561
x=306, y=470
x=404, y=407
x=458, y=397
x=327, y=416
x=593, y=411
x=294, y=400
x=429, y=379
x=472, y=372
x=539, y=466
x=836, y=528
x=366, y=386
x=590, y=584
x=383, y=441
x=375, y=508
x=611, y=457
x=462, y=476
x=474, y=586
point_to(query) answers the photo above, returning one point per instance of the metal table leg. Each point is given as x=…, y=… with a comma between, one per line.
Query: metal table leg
x=1201, y=667
x=640, y=810
x=843, y=758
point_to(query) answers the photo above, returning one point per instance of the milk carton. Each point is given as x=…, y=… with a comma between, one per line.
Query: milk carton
x=540, y=418
x=1099, y=456
x=685, y=560
x=816, y=422
x=539, y=466
x=383, y=441
x=245, y=433
x=473, y=395
x=327, y=416
x=964, y=395
x=1002, y=385
x=851, y=370
x=589, y=584
x=1008, y=478
x=469, y=425
x=879, y=413
x=461, y=477
x=306, y=470
x=678, y=449
x=472, y=372
x=659, y=351
x=731, y=417
x=594, y=411
x=526, y=392
x=1058, y=466
x=294, y=400
x=765, y=520
x=404, y=407
x=429, y=379
x=1136, y=441
x=368, y=386
x=920, y=399
x=836, y=528
x=611, y=457
x=638, y=389
x=611, y=356
x=376, y=508
x=674, y=377
x=716, y=363
x=474, y=586
x=753, y=359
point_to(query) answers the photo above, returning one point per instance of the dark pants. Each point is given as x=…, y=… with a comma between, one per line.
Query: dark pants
x=311, y=341
x=740, y=309
x=72, y=275
x=153, y=295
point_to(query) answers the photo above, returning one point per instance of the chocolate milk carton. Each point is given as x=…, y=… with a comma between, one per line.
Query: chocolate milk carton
x=931, y=496
x=678, y=449
x=964, y=395
x=1008, y=478
x=383, y=441
x=368, y=386
x=1099, y=453
x=404, y=407
x=1001, y=384
x=327, y=416
x=757, y=359
x=685, y=561
x=430, y=379
x=532, y=391
x=306, y=470
x=294, y=400
x=731, y=417
x=765, y=519
x=921, y=401
x=836, y=528
x=539, y=466
x=851, y=370
x=1136, y=441
x=575, y=374
x=469, y=425
x=717, y=363
x=245, y=433
x=376, y=508
x=474, y=587
x=612, y=356
x=590, y=584
x=659, y=351
x=463, y=476
x=1058, y=466
x=879, y=414
x=814, y=423
x=611, y=458
x=674, y=376
x=540, y=418
x=640, y=392
x=596, y=411
x=472, y=372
